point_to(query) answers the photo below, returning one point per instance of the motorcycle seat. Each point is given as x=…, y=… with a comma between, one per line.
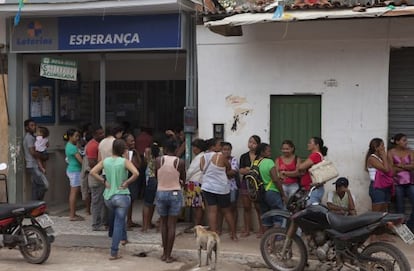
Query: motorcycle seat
x=6, y=210
x=348, y=223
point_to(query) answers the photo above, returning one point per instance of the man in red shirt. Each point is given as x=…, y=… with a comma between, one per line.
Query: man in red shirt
x=97, y=188
x=143, y=140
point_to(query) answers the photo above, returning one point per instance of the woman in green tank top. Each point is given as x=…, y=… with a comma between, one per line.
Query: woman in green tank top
x=116, y=193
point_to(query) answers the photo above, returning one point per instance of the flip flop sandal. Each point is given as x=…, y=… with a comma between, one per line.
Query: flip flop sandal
x=134, y=225
x=141, y=254
x=170, y=260
x=113, y=258
x=77, y=218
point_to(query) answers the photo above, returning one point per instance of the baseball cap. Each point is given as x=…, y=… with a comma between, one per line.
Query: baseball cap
x=341, y=181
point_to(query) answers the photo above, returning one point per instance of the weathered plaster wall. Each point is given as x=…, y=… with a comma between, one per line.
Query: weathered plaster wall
x=304, y=58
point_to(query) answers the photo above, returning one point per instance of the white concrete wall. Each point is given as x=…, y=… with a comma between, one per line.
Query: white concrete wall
x=297, y=58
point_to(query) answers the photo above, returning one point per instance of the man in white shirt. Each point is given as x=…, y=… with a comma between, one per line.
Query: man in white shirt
x=341, y=201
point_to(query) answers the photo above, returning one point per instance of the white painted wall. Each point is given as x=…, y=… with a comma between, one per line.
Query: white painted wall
x=297, y=58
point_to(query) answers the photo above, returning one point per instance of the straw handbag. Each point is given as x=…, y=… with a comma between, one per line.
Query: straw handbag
x=323, y=172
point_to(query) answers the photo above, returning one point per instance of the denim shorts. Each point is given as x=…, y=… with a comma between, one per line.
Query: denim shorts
x=150, y=191
x=169, y=203
x=379, y=195
x=74, y=178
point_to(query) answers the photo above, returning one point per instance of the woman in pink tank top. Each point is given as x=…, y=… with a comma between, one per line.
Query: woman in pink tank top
x=170, y=172
x=401, y=158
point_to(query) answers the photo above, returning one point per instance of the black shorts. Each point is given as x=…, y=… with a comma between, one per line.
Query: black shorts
x=222, y=201
x=150, y=191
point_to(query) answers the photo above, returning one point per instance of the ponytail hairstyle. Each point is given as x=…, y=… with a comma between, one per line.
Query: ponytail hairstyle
x=155, y=150
x=393, y=140
x=69, y=133
x=319, y=141
x=373, y=145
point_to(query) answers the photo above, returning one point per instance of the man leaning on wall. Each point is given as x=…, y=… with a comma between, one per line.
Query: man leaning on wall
x=39, y=181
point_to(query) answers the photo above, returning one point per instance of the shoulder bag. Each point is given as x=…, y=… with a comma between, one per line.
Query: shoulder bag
x=323, y=171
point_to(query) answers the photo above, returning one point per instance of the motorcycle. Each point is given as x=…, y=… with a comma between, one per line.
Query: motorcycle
x=336, y=241
x=28, y=227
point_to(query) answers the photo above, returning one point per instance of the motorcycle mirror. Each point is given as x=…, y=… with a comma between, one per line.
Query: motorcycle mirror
x=3, y=166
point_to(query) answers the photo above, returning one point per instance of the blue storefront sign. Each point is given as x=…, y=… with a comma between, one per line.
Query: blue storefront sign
x=97, y=33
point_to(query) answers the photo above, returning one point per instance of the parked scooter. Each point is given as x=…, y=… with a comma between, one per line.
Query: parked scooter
x=28, y=227
x=334, y=240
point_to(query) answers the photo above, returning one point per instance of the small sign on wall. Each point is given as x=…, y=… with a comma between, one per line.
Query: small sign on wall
x=218, y=130
x=58, y=68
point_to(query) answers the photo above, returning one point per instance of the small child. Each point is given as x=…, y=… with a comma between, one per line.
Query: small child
x=41, y=145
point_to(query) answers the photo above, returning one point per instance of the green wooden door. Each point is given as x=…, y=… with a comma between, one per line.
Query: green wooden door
x=294, y=117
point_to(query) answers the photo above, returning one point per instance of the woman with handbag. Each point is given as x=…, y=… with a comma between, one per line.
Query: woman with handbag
x=402, y=161
x=378, y=168
x=318, y=151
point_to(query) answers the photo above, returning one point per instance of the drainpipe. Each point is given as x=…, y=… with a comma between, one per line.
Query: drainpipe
x=190, y=112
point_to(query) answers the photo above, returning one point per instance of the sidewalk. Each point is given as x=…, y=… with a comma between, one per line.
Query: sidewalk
x=246, y=251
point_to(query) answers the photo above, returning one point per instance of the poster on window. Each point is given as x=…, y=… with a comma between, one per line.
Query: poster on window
x=41, y=101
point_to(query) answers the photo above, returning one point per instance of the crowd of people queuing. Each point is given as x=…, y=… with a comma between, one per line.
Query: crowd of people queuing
x=123, y=168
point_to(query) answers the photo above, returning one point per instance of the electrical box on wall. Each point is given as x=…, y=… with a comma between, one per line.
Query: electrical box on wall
x=190, y=119
x=218, y=130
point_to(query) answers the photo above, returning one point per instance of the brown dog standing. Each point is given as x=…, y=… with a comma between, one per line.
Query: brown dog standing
x=209, y=241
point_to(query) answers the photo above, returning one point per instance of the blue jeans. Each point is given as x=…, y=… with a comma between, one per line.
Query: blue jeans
x=272, y=200
x=290, y=189
x=316, y=196
x=118, y=206
x=39, y=183
x=402, y=191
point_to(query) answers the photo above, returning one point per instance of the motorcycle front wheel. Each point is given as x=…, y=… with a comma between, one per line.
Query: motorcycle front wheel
x=37, y=248
x=385, y=257
x=282, y=253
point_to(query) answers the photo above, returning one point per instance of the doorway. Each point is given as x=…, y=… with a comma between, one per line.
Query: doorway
x=294, y=117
